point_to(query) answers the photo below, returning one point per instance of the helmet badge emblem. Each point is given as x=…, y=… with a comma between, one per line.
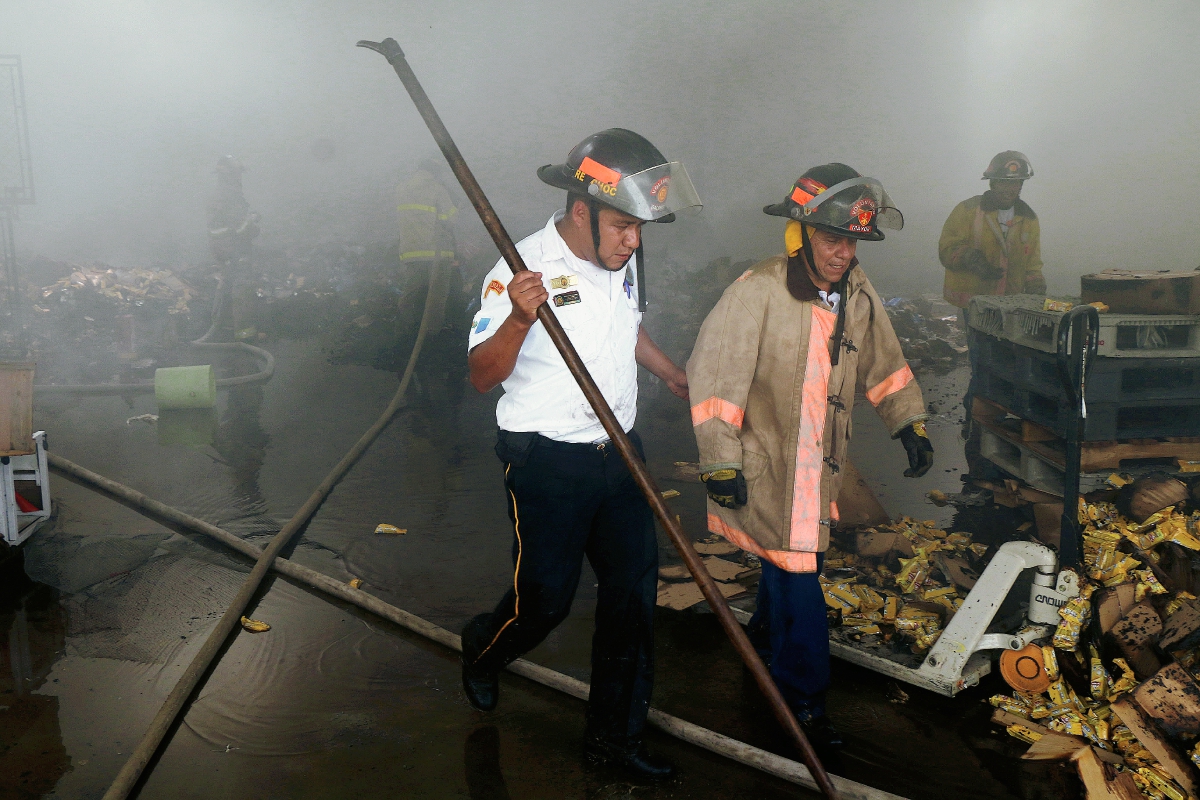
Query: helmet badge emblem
x=864, y=209
x=660, y=188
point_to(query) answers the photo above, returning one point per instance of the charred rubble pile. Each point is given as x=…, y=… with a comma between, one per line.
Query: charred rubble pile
x=1117, y=691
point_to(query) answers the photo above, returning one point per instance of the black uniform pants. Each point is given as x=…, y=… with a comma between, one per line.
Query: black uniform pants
x=567, y=501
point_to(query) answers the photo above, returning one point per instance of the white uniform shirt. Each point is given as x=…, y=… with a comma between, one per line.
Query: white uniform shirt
x=599, y=311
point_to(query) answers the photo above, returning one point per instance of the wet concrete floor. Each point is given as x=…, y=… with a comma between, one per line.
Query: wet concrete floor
x=103, y=609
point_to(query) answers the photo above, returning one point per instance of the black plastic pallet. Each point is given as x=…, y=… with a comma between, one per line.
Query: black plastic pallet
x=1127, y=398
x=1109, y=379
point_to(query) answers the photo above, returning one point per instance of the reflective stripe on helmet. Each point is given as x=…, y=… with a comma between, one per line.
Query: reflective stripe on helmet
x=598, y=171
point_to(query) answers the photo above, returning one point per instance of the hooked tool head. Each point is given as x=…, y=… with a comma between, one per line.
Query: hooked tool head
x=389, y=48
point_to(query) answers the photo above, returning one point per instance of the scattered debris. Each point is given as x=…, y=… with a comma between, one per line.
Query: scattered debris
x=928, y=331
x=383, y=527
x=685, y=471
x=677, y=590
x=674, y=573
x=355, y=583
x=902, y=583
x=151, y=418
x=715, y=546
x=669, y=494
x=723, y=571
x=126, y=288
x=254, y=625
x=682, y=596
x=1125, y=684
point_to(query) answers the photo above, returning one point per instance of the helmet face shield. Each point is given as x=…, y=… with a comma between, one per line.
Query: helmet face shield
x=857, y=207
x=649, y=195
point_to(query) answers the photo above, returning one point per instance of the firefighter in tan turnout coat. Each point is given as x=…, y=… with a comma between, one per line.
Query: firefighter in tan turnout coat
x=773, y=379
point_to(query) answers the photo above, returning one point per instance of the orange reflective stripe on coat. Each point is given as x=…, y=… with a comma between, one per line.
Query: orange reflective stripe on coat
x=791, y=561
x=718, y=408
x=805, y=531
x=892, y=383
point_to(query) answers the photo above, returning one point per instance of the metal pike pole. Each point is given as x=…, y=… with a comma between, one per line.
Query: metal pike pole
x=1078, y=335
x=395, y=56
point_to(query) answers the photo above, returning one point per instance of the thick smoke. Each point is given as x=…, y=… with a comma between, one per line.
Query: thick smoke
x=130, y=103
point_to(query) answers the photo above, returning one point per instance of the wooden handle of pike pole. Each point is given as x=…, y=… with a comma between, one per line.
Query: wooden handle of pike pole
x=395, y=56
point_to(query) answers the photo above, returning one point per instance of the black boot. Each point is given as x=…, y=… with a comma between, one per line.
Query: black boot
x=633, y=759
x=821, y=733
x=481, y=686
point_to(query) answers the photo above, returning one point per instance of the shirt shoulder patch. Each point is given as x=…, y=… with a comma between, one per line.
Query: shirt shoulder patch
x=494, y=287
x=482, y=325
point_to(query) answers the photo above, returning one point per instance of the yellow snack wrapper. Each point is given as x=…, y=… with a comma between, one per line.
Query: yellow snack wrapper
x=1050, y=662
x=837, y=603
x=1099, y=676
x=1146, y=576
x=1023, y=734
x=1039, y=711
x=913, y=573
x=1075, y=614
x=891, y=605
x=1162, y=783
x=1060, y=693
x=843, y=592
x=1125, y=683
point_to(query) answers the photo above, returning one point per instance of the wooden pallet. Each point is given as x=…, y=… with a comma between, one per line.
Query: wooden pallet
x=1094, y=456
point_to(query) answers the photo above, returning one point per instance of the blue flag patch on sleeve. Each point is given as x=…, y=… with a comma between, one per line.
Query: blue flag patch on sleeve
x=482, y=326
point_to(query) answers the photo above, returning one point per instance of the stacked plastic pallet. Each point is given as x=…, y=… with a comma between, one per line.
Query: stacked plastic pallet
x=1142, y=395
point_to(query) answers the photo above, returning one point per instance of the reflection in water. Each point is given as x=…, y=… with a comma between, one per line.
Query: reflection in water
x=481, y=760
x=32, y=755
x=242, y=442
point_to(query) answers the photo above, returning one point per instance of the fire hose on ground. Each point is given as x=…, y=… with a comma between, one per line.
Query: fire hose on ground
x=196, y=671
x=266, y=370
x=689, y=732
x=395, y=56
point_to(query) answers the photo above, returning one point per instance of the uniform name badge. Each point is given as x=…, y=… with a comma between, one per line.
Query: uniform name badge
x=564, y=282
x=566, y=298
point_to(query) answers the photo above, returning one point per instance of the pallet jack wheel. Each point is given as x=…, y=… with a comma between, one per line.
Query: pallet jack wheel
x=1024, y=670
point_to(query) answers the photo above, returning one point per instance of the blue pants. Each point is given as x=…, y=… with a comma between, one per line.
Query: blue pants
x=791, y=632
x=568, y=502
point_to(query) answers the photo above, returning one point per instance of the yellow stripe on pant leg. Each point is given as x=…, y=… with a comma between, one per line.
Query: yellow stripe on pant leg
x=516, y=570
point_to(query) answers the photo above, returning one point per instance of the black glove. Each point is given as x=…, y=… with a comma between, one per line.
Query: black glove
x=727, y=487
x=919, y=448
x=976, y=262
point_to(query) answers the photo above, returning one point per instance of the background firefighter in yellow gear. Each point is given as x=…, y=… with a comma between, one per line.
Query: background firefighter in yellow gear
x=426, y=210
x=991, y=243
x=427, y=248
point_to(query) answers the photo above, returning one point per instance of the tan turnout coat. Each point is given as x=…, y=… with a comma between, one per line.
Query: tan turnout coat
x=768, y=401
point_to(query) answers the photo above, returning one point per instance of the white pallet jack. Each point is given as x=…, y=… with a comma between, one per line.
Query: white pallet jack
x=962, y=655
x=17, y=525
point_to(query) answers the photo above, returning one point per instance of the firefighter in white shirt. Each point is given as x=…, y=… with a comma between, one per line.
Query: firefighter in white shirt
x=569, y=493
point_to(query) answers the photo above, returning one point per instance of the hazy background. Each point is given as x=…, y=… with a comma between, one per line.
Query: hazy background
x=130, y=103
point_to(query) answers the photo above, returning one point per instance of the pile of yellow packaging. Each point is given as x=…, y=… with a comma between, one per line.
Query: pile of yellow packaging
x=884, y=604
x=1059, y=708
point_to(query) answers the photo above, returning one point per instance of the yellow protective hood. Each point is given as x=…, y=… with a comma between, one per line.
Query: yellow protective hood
x=793, y=239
